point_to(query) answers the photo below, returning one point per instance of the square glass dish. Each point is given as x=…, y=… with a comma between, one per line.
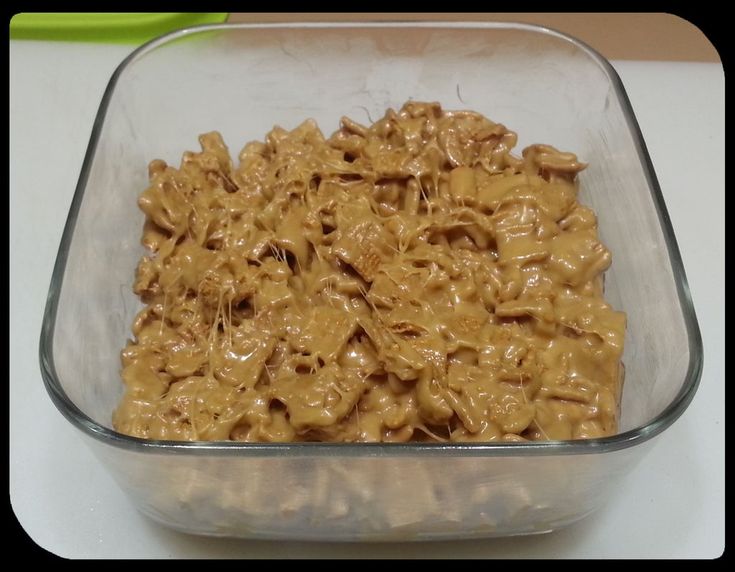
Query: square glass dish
x=242, y=80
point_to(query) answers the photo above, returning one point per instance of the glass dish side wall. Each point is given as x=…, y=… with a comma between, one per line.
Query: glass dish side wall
x=354, y=497
x=243, y=80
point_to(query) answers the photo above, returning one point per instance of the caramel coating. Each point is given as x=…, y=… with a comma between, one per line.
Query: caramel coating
x=408, y=281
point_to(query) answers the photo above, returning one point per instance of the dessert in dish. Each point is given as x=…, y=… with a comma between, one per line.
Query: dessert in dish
x=413, y=280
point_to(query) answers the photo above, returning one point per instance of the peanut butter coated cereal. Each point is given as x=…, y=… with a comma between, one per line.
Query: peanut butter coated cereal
x=408, y=281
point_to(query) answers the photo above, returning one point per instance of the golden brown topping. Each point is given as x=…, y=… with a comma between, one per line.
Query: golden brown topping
x=410, y=280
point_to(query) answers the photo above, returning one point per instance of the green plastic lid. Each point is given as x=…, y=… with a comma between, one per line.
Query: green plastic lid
x=127, y=28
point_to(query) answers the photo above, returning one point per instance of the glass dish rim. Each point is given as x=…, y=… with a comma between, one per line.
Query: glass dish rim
x=589, y=446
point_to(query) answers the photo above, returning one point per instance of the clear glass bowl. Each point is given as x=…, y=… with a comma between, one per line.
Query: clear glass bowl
x=243, y=79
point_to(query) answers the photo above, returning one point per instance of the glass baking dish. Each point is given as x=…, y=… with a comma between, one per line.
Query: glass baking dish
x=243, y=79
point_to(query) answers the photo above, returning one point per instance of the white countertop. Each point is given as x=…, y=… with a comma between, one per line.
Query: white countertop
x=670, y=506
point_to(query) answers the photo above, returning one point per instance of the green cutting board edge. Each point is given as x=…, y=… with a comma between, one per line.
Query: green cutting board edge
x=126, y=28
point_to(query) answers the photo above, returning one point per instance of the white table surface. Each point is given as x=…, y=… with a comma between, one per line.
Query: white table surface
x=671, y=505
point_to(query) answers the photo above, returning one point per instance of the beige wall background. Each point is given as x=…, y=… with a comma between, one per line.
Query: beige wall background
x=621, y=36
